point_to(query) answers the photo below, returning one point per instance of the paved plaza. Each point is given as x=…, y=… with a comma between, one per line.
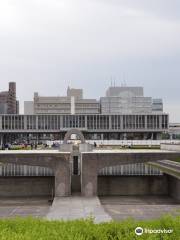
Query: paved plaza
x=139, y=207
x=23, y=207
x=102, y=209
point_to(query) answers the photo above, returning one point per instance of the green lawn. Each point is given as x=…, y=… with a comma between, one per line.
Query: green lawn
x=38, y=229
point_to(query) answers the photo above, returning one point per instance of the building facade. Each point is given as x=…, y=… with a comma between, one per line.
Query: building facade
x=8, y=102
x=73, y=103
x=124, y=114
x=129, y=100
x=94, y=127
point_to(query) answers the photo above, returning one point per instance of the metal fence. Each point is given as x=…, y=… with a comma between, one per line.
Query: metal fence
x=124, y=142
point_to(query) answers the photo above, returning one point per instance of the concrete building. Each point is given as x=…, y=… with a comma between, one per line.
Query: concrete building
x=72, y=103
x=125, y=115
x=8, y=102
x=94, y=126
x=129, y=100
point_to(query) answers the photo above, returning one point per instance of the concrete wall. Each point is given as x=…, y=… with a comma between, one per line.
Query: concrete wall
x=132, y=185
x=170, y=147
x=174, y=187
x=26, y=186
x=107, y=185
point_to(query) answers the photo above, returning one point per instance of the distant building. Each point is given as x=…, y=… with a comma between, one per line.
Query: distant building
x=28, y=107
x=129, y=100
x=123, y=114
x=73, y=103
x=8, y=102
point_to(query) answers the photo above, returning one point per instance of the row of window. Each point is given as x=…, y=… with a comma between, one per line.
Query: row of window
x=56, y=122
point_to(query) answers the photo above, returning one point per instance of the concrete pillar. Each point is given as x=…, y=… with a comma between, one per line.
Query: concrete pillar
x=145, y=124
x=37, y=123
x=0, y=122
x=102, y=136
x=1, y=139
x=89, y=176
x=110, y=122
x=62, y=178
x=25, y=122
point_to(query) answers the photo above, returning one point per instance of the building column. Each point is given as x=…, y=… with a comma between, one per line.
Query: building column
x=1, y=139
x=102, y=136
x=62, y=178
x=89, y=177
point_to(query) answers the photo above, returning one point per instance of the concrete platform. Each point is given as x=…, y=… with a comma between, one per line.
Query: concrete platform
x=77, y=207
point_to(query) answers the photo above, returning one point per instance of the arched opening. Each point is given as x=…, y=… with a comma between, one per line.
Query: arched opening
x=74, y=134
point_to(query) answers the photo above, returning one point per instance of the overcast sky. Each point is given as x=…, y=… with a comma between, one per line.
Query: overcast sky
x=46, y=45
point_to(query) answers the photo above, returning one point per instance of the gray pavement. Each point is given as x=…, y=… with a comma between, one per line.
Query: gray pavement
x=77, y=207
x=101, y=209
x=139, y=207
x=12, y=207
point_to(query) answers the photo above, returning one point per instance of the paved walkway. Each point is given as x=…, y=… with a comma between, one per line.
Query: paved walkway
x=77, y=207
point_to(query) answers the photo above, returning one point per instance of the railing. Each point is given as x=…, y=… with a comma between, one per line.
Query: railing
x=124, y=142
x=133, y=142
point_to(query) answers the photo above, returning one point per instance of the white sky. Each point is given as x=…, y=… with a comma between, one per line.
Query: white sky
x=46, y=45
